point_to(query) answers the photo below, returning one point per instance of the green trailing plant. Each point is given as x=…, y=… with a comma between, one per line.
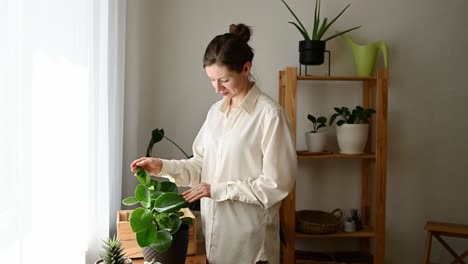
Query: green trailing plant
x=156, y=136
x=317, y=123
x=320, y=25
x=159, y=215
x=359, y=115
x=113, y=252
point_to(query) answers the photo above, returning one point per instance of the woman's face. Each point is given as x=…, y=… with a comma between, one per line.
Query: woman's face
x=229, y=84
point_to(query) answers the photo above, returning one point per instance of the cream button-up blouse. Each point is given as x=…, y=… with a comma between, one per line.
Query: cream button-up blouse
x=248, y=157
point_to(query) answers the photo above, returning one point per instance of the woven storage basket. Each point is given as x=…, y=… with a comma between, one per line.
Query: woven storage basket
x=318, y=222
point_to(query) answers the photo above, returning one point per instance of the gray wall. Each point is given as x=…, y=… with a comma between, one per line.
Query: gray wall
x=166, y=87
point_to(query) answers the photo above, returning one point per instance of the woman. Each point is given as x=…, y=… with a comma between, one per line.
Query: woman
x=244, y=160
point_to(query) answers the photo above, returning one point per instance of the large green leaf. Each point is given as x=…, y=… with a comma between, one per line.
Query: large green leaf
x=164, y=221
x=156, y=194
x=141, y=219
x=143, y=194
x=169, y=203
x=130, y=201
x=147, y=237
x=143, y=175
x=163, y=241
x=176, y=222
x=155, y=185
x=168, y=186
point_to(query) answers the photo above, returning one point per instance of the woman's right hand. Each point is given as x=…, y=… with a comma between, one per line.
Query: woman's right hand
x=152, y=165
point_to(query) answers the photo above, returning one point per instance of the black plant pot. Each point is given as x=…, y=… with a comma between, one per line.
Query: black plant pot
x=176, y=253
x=311, y=52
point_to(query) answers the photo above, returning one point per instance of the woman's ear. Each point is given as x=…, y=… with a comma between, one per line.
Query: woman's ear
x=246, y=68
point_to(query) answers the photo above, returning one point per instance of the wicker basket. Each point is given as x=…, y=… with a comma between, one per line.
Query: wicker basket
x=318, y=222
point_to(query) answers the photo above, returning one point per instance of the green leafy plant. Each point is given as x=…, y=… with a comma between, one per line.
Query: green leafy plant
x=320, y=25
x=159, y=215
x=359, y=115
x=156, y=136
x=317, y=123
x=356, y=217
x=113, y=252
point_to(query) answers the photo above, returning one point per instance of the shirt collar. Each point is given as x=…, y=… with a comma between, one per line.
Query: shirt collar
x=248, y=103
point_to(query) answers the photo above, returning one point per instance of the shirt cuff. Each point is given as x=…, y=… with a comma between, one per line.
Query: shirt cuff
x=219, y=191
x=167, y=168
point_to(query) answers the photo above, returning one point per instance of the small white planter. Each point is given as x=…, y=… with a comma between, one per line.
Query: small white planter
x=316, y=142
x=349, y=226
x=352, y=138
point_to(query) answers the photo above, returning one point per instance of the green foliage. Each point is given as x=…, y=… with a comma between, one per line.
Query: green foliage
x=113, y=252
x=359, y=115
x=317, y=123
x=158, y=216
x=356, y=217
x=156, y=136
x=320, y=26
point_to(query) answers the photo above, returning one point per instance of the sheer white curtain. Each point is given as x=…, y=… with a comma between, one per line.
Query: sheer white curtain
x=61, y=111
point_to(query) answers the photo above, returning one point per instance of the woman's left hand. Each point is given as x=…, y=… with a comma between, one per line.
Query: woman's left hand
x=197, y=192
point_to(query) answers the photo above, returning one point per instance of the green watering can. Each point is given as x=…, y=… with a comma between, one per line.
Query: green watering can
x=365, y=55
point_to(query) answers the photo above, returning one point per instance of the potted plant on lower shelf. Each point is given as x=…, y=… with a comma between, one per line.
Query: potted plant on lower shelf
x=316, y=139
x=112, y=252
x=352, y=129
x=161, y=228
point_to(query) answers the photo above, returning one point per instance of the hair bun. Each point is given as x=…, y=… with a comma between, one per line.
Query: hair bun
x=241, y=31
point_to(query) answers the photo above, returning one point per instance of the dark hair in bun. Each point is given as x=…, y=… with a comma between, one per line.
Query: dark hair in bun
x=230, y=49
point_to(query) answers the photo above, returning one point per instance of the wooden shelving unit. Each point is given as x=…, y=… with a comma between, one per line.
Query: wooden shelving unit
x=375, y=95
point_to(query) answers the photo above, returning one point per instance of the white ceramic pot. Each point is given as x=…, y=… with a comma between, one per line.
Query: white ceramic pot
x=316, y=142
x=352, y=138
x=349, y=226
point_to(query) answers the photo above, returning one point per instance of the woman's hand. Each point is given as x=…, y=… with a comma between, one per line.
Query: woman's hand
x=196, y=193
x=152, y=165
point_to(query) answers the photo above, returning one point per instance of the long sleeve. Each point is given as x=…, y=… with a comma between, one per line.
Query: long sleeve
x=186, y=172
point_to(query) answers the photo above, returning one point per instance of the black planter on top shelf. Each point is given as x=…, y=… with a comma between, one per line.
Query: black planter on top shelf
x=311, y=52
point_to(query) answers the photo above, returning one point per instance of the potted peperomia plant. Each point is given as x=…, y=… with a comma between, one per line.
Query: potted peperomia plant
x=352, y=128
x=158, y=222
x=316, y=138
x=312, y=48
x=161, y=228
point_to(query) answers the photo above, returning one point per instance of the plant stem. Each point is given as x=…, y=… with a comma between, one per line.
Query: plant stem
x=177, y=147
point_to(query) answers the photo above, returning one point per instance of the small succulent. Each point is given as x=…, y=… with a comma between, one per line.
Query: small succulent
x=317, y=123
x=113, y=252
x=356, y=217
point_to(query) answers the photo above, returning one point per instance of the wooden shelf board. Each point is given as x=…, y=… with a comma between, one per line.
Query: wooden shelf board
x=305, y=155
x=365, y=232
x=336, y=78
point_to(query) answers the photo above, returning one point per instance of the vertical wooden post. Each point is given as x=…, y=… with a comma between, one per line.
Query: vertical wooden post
x=288, y=79
x=366, y=165
x=381, y=164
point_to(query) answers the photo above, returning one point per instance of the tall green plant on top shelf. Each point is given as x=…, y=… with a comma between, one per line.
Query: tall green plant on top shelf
x=320, y=25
